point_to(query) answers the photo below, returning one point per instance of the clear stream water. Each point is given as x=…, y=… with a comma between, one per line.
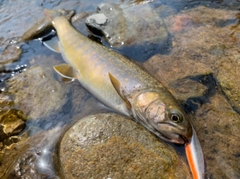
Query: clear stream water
x=17, y=16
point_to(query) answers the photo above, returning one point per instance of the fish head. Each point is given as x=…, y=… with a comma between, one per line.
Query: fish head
x=163, y=116
x=52, y=14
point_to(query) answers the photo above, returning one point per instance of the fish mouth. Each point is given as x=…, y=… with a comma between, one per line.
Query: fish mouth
x=173, y=137
x=185, y=139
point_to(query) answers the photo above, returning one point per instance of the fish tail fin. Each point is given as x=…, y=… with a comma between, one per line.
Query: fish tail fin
x=51, y=14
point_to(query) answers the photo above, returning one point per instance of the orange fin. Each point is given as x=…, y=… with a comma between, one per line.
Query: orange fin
x=195, y=157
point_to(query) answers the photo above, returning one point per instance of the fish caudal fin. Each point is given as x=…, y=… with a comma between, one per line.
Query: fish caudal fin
x=51, y=14
x=195, y=157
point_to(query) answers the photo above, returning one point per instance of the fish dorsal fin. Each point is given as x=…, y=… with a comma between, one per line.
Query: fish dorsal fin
x=117, y=86
x=65, y=71
x=52, y=44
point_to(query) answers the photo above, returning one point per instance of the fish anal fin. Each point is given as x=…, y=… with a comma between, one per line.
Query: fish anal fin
x=117, y=86
x=65, y=71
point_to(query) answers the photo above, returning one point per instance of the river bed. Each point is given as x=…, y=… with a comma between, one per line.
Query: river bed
x=192, y=48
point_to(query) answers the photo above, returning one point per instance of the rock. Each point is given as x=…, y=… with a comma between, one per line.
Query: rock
x=205, y=56
x=178, y=75
x=36, y=93
x=218, y=126
x=11, y=123
x=197, y=36
x=228, y=76
x=111, y=146
x=10, y=54
x=97, y=20
x=32, y=156
x=210, y=37
x=6, y=101
x=43, y=27
x=123, y=25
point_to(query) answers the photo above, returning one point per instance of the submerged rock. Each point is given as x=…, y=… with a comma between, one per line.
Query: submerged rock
x=10, y=54
x=218, y=126
x=36, y=93
x=206, y=53
x=112, y=146
x=228, y=77
x=43, y=27
x=134, y=24
x=11, y=123
x=210, y=36
x=6, y=101
x=179, y=75
x=32, y=156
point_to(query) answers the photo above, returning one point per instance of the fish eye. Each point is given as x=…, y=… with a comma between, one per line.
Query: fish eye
x=176, y=117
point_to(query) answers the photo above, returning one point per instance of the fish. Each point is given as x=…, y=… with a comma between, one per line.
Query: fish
x=195, y=157
x=118, y=83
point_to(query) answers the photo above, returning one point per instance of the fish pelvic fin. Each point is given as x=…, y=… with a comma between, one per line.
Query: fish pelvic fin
x=117, y=86
x=52, y=44
x=51, y=14
x=66, y=72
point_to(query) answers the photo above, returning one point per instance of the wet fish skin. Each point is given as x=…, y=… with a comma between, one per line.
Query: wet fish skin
x=121, y=84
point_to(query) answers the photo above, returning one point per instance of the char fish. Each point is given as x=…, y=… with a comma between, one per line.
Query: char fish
x=119, y=83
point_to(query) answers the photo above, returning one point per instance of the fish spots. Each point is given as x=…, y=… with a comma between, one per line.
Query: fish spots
x=145, y=99
x=156, y=112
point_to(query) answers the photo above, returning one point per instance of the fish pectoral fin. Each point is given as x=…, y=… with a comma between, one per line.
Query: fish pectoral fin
x=52, y=44
x=66, y=72
x=117, y=86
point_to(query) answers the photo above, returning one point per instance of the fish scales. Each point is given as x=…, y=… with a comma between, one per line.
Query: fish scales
x=120, y=84
x=95, y=61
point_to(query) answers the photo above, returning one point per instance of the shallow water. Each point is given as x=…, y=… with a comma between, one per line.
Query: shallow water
x=16, y=17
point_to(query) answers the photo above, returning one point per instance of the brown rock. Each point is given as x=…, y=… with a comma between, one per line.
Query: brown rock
x=177, y=73
x=113, y=146
x=218, y=126
x=36, y=93
x=229, y=80
x=31, y=156
x=11, y=123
